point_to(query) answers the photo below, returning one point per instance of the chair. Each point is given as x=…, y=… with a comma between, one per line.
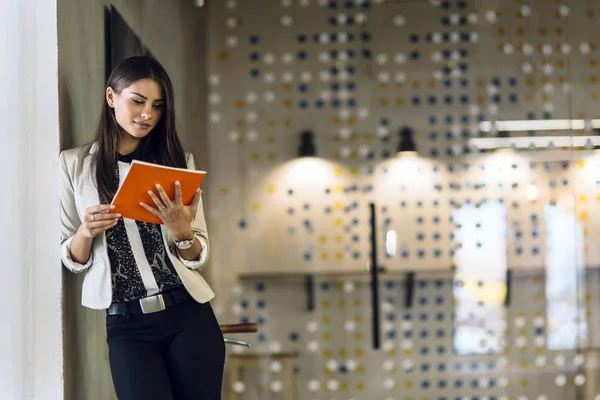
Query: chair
x=249, y=327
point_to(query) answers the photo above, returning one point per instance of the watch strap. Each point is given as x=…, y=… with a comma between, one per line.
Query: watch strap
x=185, y=244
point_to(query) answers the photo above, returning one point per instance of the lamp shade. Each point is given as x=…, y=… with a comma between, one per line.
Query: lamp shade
x=406, y=145
x=307, y=145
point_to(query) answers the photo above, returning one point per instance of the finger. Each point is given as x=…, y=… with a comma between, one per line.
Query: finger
x=163, y=195
x=195, y=201
x=111, y=225
x=153, y=210
x=178, y=193
x=99, y=208
x=102, y=217
x=159, y=204
x=102, y=225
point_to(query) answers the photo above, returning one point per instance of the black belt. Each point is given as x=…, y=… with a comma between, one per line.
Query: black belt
x=150, y=304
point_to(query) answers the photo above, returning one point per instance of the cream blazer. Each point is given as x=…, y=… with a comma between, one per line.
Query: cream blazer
x=78, y=191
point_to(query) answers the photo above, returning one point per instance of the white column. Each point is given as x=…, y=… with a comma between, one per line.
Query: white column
x=30, y=270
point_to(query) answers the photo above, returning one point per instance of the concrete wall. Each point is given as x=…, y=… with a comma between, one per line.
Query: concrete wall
x=174, y=32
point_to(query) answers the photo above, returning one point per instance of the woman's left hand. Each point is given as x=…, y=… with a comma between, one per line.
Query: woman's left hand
x=176, y=216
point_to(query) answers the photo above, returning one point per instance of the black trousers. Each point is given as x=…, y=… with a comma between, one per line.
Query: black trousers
x=174, y=354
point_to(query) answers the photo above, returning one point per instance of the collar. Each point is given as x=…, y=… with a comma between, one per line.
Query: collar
x=94, y=148
x=135, y=155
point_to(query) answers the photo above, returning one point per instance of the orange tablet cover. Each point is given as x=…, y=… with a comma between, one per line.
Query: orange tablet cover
x=143, y=176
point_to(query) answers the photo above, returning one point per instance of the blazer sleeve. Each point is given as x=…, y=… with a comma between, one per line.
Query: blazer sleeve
x=199, y=228
x=69, y=219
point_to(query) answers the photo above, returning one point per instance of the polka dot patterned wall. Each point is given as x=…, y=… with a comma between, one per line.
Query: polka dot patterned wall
x=417, y=355
x=354, y=73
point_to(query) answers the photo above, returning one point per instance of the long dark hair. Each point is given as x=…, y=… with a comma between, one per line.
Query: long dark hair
x=161, y=146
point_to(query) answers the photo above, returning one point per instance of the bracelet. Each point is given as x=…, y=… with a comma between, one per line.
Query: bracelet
x=185, y=244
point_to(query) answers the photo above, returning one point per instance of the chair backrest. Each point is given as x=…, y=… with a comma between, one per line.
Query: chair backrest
x=249, y=327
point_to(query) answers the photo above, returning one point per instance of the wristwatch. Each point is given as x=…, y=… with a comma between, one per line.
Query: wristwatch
x=185, y=244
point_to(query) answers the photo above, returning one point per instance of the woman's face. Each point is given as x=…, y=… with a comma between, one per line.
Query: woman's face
x=138, y=108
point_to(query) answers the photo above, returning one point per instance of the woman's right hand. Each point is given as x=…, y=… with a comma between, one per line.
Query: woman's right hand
x=98, y=219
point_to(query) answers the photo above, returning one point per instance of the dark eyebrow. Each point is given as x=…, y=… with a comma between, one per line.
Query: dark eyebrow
x=145, y=98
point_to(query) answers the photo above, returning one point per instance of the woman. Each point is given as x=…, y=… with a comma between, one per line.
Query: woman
x=163, y=339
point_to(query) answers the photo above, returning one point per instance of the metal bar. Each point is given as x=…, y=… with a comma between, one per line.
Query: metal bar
x=409, y=289
x=374, y=279
x=508, y=284
x=236, y=342
x=310, y=292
